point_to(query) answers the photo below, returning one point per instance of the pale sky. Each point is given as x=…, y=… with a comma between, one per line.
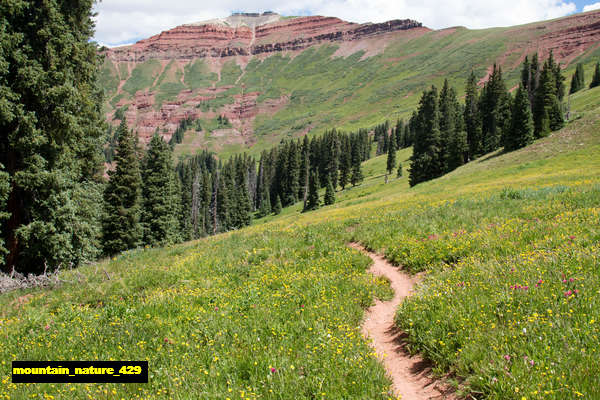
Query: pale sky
x=126, y=21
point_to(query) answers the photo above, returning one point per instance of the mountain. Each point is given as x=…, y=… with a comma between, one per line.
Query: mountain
x=276, y=77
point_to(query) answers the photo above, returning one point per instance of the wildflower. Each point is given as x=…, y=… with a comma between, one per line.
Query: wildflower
x=507, y=357
x=47, y=327
x=273, y=370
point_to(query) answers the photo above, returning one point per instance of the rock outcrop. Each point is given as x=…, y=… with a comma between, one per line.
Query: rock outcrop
x=217, y=38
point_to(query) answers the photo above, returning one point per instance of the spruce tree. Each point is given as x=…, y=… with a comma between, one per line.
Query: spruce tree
x=399, y=173
x=391, y=158
x=160, y=215
x=345, y=162
x=277, y=208
x=547, y=112
x=472, y=119
x=312, y=201
x=399, y=133
x=495, y=111
x=304, y=169
x=425, y=161
x=52, y=127
x=521, y=128
x=121, y=228
x=596, y=78
x=329, y=193
x=356, y=176
x=4, y=190
x=578, y=80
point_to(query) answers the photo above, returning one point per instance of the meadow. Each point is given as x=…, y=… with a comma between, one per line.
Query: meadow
x=508, y=308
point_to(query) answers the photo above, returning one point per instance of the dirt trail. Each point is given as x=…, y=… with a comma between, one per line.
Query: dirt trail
x=411, y=375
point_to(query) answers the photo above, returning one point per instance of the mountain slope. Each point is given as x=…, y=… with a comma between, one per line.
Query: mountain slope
x=299, y=75
x=273, y=311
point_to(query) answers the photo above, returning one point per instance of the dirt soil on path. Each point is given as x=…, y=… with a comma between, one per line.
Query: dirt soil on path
x=410, y=374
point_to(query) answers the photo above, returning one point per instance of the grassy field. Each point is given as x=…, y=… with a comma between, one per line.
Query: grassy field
x=508, y=307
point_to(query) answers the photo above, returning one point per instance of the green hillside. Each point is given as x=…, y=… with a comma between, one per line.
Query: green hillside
x=510, y=248
x=351, y=91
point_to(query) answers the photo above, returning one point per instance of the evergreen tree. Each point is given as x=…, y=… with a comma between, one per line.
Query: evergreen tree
x=391, y=158
x=345, y=162
x=559, y=79
x=472, y=119
x=547, y=112
x=264, y=198
x=596, y=78
x=534, y=79
x=448, y=110
x=4, y=190
x=277, y=208
x=426, y=163
x=578, y=80
x=399, y=132
x=160, y=215
x=521, y=128
x=399, y=174
x=292, y=185
x=329, y=193
x=356, y=176
x=121, y=226
x=304, y=169
x=495, y=111
x=312, y=201
x=457, y=142
x=52, y=128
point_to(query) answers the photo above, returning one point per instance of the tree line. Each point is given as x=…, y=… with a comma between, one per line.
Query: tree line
x=448, y=134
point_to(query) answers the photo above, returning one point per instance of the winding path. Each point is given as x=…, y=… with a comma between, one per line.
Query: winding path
x=410, y=375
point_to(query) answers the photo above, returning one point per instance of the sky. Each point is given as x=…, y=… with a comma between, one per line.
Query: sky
x=125, y=21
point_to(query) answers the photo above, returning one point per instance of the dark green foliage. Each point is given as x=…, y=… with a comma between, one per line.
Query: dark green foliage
x=52, y=130
x=304, y=169
x=161, y=195
x=345, y=161
x=329, y=193
x=547, y=112
x=277, y=207
x=312, y=201
x=184, y=125
x=399, y=174
x=356, y=176
x=521, y=128
x=391, y=157
x=495, y=111
x=426, y=163
x=596, y=78
x=121, y=226
x=453, y=137
x=4, y=190
x=472, y=119
x=578, y=80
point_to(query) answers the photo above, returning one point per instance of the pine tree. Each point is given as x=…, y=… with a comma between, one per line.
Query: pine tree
x=160, y=216
x=399, y=132
x=495, y=111
x=472, y=119
x=277, y=208
x=425, y=161
x=391, y=158
x=596, y=78
x=292, y=185
x=4, y=190
x=312, y=201
x=52, y=132
x=122, y=197
x=578, y=80
x=399, y=174
x=356, y=176
x=345, y=162
x=547, y=113
x=559, y=79
x=304, y=169
x=329, y=193
x=521, y=130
